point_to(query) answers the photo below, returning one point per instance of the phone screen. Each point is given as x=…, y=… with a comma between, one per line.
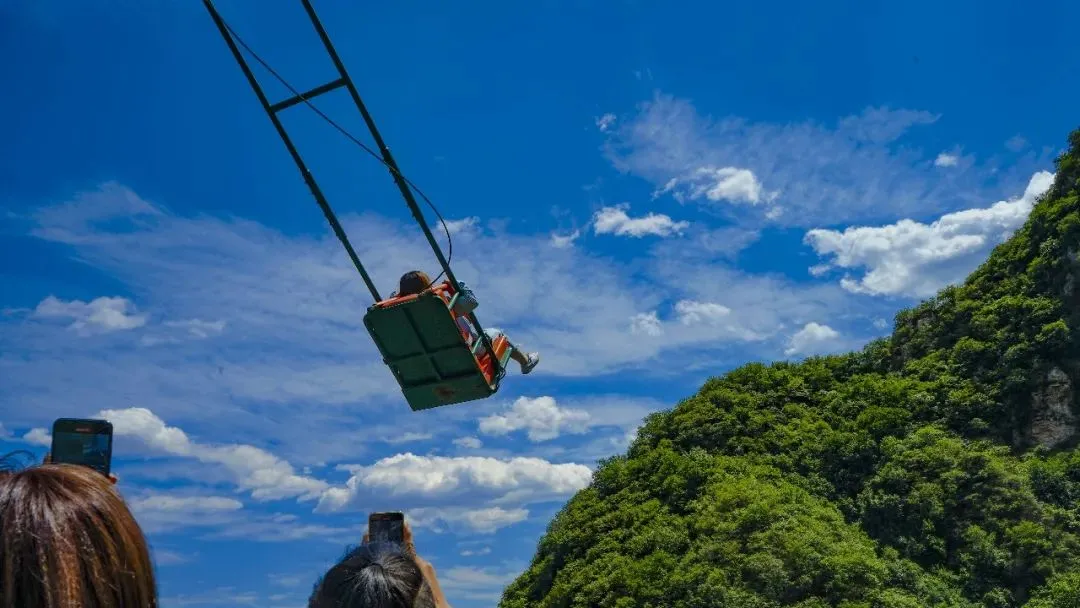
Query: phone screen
x=386, y=527
x=84, y=442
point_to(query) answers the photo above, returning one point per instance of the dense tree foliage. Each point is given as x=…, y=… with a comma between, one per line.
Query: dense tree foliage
x=937, y=467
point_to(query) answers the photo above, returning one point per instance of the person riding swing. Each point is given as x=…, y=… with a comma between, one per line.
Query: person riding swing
x=416, y=281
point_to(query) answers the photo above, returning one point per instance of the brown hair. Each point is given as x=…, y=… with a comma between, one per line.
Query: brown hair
x=413, y=282
x=69, y=541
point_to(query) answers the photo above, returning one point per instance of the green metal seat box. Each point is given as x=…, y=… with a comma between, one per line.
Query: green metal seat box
x=421, y=343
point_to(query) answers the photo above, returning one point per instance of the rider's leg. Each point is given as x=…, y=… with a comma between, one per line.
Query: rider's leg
x=527, y=361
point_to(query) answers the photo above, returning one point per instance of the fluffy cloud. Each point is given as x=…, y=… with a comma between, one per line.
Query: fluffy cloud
x=266, y=476
x=946, y=160
x=477, y=584
x=100, y=315
x=428, y=477
x=855, y=170
x=913, y=259
x=813, y=338
x=483, y=521
x=541, y=417
x=471, y=443
x=175, y=332
x=614, y=220
x=187, y=504
x=38, y=436
x=462, y=226
x=161, y=512
x=691, y=312
x=730, y=184
x=646, y=323
x=475, y=552
x=605, y=122
x=562, y=241
x=409, y=438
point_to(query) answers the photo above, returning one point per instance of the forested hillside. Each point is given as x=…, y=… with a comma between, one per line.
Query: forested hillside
x=936, y=467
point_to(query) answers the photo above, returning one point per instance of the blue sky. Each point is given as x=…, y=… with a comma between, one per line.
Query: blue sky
x=648, y=195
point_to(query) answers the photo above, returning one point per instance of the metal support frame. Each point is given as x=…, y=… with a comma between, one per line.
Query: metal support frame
x=271, y=111
x=344, y=80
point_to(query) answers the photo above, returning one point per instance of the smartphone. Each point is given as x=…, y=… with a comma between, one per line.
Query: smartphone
x=85, y=442
x=386, y=527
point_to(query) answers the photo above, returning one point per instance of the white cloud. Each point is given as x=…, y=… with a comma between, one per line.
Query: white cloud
x=881, y=323
x=426, y=477
x=462, y=226
x=158, y=511
x=646, y=323
x=614, y=220
x=563, y=241
x=913, y=259
x=175, y=332
x=409, y=438
x=185, y=504
x=720, y=184
x=475, y=552
x=285, y=527
x=813, y=338
x=486, y=520
x=38, y=436
x=691, y=312
x=100, y=315
x=854, y=170
x=605, y=122
x=471, y=443
x=266, y=476
x=946, y=160
x=198, y=328
x=541, y=417
x=476, y=584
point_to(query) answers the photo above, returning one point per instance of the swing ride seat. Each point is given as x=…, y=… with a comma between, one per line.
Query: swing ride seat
x=428, y=352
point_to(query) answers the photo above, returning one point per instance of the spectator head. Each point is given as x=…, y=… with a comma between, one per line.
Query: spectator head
x=378, y=575
x=69, y=541
x=413, y=282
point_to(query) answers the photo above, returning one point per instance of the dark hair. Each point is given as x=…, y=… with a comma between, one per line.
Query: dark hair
x=70, y=541
x=376, y=575
x=413, y=282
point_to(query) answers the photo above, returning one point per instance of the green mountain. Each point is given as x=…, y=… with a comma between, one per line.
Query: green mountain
x=936, y=467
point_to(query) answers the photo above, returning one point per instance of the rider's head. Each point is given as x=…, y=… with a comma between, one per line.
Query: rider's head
x=69, y=540
x=379, y=575
x=413, y=282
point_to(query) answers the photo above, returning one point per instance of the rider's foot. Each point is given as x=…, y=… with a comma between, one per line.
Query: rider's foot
x=533, y=359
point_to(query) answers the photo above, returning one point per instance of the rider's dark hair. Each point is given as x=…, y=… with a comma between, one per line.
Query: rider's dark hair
x=377, y=575
x=413, y=282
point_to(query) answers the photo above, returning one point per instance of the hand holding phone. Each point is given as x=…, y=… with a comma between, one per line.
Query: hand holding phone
x=83, y=442
x=386, y=527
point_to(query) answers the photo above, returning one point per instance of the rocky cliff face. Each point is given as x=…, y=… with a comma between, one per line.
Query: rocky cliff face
x=1053, y=409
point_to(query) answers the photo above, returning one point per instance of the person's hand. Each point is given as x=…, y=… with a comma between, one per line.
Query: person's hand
x=48, y=460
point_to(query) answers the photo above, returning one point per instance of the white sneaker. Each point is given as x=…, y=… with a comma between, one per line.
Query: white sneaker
x=533, y=359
